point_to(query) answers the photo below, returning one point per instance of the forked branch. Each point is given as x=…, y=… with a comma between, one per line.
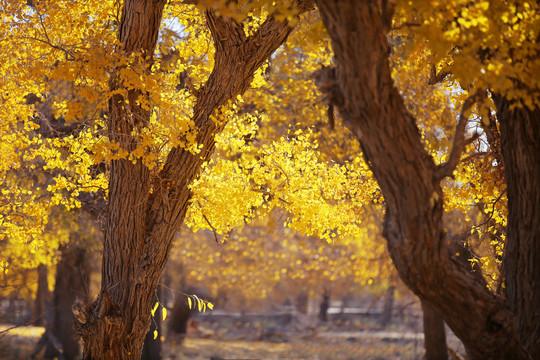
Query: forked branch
x=460, y=141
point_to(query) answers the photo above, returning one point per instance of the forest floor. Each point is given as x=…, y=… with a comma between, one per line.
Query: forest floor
x=210, y=345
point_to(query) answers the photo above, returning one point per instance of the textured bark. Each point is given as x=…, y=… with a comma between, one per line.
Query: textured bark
x=141, y=226
x=520, y=136
x=409, y=179
x=434, y=334
x=72, y=279
x=42, y=297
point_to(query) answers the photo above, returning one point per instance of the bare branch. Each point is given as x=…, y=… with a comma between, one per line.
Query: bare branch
x=460, y=142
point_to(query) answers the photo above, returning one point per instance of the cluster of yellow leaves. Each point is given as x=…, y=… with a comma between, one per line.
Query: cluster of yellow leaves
x=284, y=158
x=485, y=44
x=44, y=75
x=266, y=260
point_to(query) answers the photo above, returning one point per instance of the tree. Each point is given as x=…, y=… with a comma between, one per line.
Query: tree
x=145, y=209
x=147, y=104
x=410, y=182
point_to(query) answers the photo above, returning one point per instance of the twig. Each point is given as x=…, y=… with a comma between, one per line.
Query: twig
x=211, y=226
x=472, y=156
x=68, y=54
x=435, y=78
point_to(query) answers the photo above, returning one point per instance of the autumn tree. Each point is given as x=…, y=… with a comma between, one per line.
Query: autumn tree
x=158, y=97
x=138, y=241
x=410, y=180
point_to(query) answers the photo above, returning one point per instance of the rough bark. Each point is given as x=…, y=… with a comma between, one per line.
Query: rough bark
x=409, y=179
x=520, y=137
x=42, y=297
x=72, y=279
x=141, y=226
x=434, y=334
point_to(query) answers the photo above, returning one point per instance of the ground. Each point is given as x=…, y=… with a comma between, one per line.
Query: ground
x=323, y=345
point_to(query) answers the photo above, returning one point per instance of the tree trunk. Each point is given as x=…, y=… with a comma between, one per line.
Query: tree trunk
x=141, y=224
x=434, y=334
x=178, y=322
x=152, y=346
x=72, y=279
x=410, y=181
x=386, y=316
x=42, y=297
x=520, y=137
x=302, y=302
x=324, y=305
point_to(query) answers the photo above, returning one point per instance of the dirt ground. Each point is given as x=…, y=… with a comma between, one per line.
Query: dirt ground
x=18, y=344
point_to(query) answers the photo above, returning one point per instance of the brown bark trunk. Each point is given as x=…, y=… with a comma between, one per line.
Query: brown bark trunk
x=72, y=279
x=140, y=225
x=520, y=136
x=409, y=179
x=434, y=334
x=42, y=297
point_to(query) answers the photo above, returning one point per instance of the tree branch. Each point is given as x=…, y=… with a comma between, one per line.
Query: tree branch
x=435, y=78
x=236, y=59
x=460, y=142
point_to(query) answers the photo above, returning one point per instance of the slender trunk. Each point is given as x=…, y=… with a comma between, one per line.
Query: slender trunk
x=324, y=305
x=42, y=297
x=520, y=137
x=410, y=181
x=434, y=334
x=72, y=278
x=141, y=224
x=302, y=300
x=386, y=316
x=180, y=314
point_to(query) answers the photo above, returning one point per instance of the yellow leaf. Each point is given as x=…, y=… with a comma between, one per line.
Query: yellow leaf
x=211, y=306
x=155, y=308
x=164, y=314
x=189, y=302
x=155, y=334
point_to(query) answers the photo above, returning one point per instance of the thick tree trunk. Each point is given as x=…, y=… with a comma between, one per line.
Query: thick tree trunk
x=434, y=334
x=520, y=137
x=72, y=279
x=409, y=179
x=141, y=225
x=42, y=297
